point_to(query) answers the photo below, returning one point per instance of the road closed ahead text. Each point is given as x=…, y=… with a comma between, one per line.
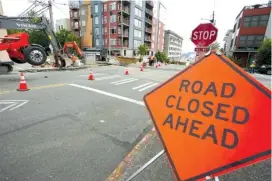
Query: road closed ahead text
x=194, y=112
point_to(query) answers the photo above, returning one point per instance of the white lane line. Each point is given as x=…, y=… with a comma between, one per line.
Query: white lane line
x=125, y=82
x=148, y=87
x=19, y=105
x=108, y=77
x=109, y=94
x=93, y=74
x=134, y=88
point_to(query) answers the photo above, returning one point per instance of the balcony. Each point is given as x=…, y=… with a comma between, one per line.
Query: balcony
x=147, y=39
x=125, y=11
x=75, y=17
x=148, y=21
x=74, y=6
x=75, y=27
x=148, y=30
x=125, y=34
x=150, y=4
x=125, y=22
x=147, y=11
x=126, y=1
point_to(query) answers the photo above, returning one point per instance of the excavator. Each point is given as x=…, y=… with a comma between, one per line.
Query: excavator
x=20, y=50
x=69, y=48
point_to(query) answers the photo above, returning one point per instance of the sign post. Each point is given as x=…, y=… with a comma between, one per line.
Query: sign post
x=202, y=36
x=212, y=118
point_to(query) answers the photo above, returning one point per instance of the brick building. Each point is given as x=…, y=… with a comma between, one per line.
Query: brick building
x=250, y=28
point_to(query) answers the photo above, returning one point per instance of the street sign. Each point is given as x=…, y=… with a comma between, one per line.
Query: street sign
x=204, y=34
x=201, y=49
x=212, y=118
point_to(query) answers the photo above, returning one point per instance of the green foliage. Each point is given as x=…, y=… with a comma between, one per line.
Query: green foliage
x=214, y=46
x=161, y=56
x=67, y=36
x=35, y=36
x=142, y=49
x=235, y=60
x=264, y=53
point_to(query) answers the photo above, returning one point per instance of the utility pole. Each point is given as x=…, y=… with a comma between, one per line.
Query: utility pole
x=51, y=13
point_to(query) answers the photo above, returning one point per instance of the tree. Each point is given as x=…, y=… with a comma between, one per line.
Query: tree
x=66, y=36
x=214, y=46
x=161, y=56
x=142, y=50
x=264, y=53
x=35, y=36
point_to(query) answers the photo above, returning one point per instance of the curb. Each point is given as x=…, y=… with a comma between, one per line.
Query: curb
x=126, y=162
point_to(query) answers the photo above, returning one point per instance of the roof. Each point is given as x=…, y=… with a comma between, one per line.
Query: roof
x=255, y=6
x=173, y=33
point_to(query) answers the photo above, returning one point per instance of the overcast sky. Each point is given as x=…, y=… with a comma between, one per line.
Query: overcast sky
x=182, y=16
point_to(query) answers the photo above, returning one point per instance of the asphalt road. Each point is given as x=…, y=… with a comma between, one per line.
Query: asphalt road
x=71, y=128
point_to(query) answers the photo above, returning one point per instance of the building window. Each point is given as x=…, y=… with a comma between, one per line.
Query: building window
x=83, y=23
x=105, y=7
x=137, y=43
x=113, y=41
x=96, y=20
x=251, y=41
x=113, y=31
x=82, y=12
x=113, y=18
x=113, y=6
x=138, y=12
x=254, y=21
x=97, y=42
x=96, y=31
x=105, y=19
x=137, y=34
x=138, y=23
x=139, y=3
x=96, y=8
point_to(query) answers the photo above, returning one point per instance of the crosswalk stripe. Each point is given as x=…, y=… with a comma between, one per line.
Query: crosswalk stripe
x=108, y=77
x=134, y=88
x=148, y=87
x=124, y=82
x=121, y=80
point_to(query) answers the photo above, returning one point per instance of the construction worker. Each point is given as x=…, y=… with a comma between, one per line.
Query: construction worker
x=73, y=58
x=252, y=66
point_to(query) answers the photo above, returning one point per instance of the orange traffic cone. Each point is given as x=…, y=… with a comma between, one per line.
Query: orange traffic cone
x=91, y=76
x=156, y=65
x=22, y=85
x=126, y=72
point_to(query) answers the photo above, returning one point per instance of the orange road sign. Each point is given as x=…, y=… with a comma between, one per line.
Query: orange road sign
x=212, y=118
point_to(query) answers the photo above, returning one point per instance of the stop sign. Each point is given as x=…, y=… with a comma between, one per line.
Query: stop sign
x=204, y=34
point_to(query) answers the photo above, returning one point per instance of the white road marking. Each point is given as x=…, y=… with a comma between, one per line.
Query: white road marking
x=93, y=74
x=101, y=121
x=109, y=94
x=121, y=80
x=108, y=77
x=125, y=82
x=14, y=104
x=148, y=87
x=134, y=88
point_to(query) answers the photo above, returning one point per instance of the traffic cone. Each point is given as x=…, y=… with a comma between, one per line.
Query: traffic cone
x=156, y=65
x=142, y=69
x=91, y=76
x=126, y=72
x=22, y=85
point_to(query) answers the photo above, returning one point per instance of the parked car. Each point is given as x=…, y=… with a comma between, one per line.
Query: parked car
x=266, y=69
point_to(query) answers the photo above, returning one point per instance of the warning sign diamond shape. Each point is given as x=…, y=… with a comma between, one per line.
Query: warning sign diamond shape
x=212, y=118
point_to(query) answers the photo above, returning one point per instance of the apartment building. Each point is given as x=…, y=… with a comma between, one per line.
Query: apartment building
x=126, y=25
x=81, y=21
x=227, y=42
x=96, y=14
x=250, y=28
x=172, y=45
x=158, y=24
x=63, y=24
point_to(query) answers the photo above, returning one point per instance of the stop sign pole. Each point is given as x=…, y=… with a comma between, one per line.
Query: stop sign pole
x=202, y=36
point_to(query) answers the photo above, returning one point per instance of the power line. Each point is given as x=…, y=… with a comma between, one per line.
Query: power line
x=30, y=7
x=59, y=9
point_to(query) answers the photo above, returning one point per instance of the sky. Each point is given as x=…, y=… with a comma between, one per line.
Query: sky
x=181, y=16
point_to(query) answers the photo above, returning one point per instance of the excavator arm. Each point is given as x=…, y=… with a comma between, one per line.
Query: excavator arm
x=73, y=45
x=24, y=23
